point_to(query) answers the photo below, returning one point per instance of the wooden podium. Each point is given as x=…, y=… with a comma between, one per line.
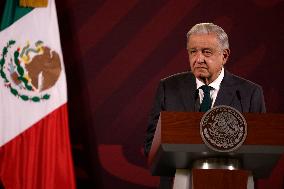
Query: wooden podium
x=177, y=144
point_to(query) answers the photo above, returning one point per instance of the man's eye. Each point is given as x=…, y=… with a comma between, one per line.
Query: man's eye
x=192, y=51
x=207, y=52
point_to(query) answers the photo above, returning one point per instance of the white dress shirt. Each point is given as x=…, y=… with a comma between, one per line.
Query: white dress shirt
x=215, y=84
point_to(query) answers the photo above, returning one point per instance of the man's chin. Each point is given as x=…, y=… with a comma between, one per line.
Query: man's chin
x=201, y=75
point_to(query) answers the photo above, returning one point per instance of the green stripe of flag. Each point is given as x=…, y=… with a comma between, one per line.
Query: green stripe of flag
x=12, y=12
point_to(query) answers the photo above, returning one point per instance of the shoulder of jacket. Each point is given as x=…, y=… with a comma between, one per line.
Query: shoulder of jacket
x=178, y=76
x=243, y=81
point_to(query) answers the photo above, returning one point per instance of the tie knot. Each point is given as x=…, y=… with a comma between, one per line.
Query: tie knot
x=206, y=88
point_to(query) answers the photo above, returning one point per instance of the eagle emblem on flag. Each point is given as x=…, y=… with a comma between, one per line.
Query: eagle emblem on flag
x=29, y=71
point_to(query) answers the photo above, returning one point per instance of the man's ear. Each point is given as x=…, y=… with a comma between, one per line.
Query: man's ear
x=226, y=54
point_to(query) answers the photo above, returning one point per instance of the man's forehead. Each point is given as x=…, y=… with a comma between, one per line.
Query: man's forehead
x=203, y=41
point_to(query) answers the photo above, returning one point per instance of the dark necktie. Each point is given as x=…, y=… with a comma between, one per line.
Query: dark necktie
x=206, y=102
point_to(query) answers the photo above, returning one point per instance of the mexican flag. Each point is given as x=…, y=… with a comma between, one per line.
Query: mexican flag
x=35, y=150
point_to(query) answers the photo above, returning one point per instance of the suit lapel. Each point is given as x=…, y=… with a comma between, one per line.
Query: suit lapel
x=187, y=91
x=227, y=91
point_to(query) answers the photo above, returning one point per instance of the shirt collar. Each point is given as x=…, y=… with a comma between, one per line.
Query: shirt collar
x=215, y=84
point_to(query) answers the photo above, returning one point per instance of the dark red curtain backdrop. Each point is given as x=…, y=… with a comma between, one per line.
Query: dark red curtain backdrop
x=116, y=52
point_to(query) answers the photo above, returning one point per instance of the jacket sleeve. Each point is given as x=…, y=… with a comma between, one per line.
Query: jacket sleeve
x=257, y=101
x=158, y=106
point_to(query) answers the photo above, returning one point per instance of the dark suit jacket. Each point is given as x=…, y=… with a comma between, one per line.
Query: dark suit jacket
x=178, y=93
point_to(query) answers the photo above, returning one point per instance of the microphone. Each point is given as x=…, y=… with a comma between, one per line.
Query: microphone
x=240, y=99
x=196, y=101
x=196, y=94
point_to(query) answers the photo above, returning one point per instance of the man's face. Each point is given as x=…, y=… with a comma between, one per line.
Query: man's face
x=206, y=56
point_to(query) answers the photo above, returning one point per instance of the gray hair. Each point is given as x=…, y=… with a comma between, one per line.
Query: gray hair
x=206, y=28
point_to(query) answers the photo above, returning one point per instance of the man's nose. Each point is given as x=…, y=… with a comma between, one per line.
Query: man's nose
x=199, y=57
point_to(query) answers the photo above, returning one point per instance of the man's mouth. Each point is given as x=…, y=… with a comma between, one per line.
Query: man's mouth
x=200, y=68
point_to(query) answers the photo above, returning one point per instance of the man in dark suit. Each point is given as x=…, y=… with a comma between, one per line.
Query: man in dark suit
x=208, y=84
